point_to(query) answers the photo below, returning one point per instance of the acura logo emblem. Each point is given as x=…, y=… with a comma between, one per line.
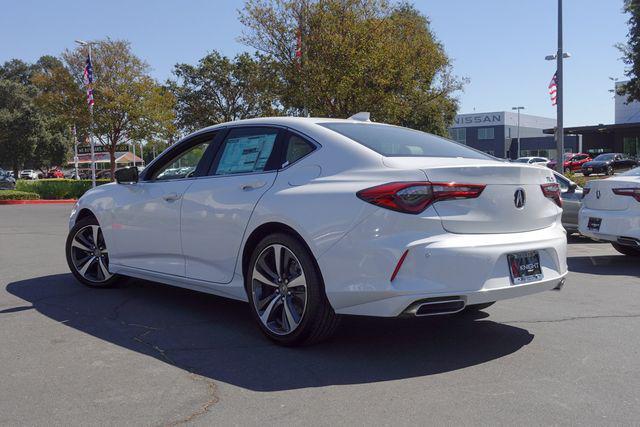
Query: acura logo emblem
x=519, y=198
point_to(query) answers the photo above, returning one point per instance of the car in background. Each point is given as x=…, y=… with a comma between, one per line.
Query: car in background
x=309, y=218
x=29, y=174
x=6, y=181
x=55, y=173
x=532, y=160
x=608, y=164
x=611, y=211
x=571, y=195
x=574, y=162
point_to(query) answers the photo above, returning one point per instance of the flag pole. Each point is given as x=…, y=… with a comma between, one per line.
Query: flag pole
x=93, y=157
x=560, y=118
x=75, y=150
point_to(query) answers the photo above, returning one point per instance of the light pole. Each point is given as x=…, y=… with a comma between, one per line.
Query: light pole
x=559, y=56
x=518, y=131
x=91, y=143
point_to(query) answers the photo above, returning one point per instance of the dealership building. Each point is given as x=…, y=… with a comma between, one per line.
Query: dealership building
x=496, y=133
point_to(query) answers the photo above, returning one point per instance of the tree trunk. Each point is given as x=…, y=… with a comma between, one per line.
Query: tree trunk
x=112, y=158
x=16, y=172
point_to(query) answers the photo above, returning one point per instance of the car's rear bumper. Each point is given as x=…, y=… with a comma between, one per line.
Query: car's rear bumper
x=473, y=267
x=614, y=225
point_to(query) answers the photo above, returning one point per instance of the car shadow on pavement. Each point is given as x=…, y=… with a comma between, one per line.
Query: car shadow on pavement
x=605, y=265
x=216, y=337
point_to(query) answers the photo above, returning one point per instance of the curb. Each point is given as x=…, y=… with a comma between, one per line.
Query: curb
x=37, y=202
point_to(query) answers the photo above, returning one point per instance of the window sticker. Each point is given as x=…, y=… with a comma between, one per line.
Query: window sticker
x=246, y=154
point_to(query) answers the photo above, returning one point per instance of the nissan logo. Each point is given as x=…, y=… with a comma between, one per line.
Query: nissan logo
x=519, y=198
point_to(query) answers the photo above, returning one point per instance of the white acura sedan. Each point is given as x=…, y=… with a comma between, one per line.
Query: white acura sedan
x=309, y=218
x=611, y=211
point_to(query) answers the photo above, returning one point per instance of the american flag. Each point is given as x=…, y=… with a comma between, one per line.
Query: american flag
x=88, y=80
x=553, y=89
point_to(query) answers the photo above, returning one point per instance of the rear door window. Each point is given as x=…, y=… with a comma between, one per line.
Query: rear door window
x=247, y=150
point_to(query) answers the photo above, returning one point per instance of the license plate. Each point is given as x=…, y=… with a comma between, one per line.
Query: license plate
x=524, y=267
x=594, y=223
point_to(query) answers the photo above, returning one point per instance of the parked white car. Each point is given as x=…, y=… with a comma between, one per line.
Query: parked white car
x=533, y=160
x=611, y=211
x=309, y=218
x=29, y=174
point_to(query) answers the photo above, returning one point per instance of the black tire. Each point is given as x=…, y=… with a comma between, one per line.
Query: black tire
x=318, y=320
x=609, y=171
x=567, y=170
x=478, y=307
x=626, y=250
x=586, y=173
x=80, y=225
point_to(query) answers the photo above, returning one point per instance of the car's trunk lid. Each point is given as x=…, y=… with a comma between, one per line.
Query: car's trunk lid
x=496, y=210
x=602, y=197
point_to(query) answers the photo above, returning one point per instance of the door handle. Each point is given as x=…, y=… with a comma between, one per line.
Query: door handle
x=171, y=197
x=253, y=185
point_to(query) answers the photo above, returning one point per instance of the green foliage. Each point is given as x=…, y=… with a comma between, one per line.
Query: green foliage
x=57, y=188
x=355, y=56
x=631, y=51
x=578, y=179
x=17, y=195
x=219, y=89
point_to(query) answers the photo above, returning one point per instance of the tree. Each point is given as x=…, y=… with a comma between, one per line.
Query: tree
x=337, y=57
x=631, y=52
x=129, y=104
x=219, y=89
x=21, y=127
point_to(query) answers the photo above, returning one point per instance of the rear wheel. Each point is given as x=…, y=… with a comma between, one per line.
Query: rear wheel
x=626, y=250
x=87, y=254
x=286, y=292
x=609, y=170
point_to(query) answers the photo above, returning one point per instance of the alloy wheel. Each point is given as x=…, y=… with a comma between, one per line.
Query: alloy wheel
x=279, y=289
x=89, y=254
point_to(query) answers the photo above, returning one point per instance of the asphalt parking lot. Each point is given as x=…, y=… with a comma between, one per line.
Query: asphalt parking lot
x=148, y=354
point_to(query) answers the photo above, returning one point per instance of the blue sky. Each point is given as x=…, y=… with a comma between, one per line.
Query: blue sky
x=499, y=45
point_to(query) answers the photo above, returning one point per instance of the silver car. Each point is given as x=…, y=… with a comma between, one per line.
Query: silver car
x=571, y=195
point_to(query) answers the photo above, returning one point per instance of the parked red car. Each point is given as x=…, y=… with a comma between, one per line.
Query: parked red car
x=55, y=173
x=575, y=162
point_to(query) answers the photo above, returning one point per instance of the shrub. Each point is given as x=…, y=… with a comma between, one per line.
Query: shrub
x=580, y=180
x=58, y=188
x=17, y=195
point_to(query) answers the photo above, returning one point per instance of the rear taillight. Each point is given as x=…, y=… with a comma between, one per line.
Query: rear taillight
x=632, y=192
x=415, y=197
x=585, y=191
x=552, y=191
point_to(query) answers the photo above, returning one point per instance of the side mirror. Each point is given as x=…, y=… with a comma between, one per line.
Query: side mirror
x=572, y=187
x=127, y=175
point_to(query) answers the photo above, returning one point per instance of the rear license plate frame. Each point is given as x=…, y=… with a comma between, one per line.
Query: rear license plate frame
x=594, y=223
x=524, y=267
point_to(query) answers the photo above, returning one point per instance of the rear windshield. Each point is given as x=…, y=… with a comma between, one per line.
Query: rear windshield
x=394, y=141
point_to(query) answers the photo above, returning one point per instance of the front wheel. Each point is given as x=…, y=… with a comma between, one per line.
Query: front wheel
x=626, y=250
x=286, y=292
x=609, y=171
x=88, y=255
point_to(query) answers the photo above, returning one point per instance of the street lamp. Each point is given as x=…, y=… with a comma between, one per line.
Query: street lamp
x=518, y=132
x=91, y=143
x=559, y=56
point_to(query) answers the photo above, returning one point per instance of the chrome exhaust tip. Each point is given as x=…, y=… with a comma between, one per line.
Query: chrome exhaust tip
x=436, y=306
x=559, y=285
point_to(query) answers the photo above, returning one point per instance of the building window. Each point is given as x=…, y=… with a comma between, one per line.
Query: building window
x=458, y=135
x=631, y=146
x=486, y=133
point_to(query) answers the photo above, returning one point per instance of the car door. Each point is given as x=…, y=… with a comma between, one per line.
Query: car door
x=571, y=200
x=216, y=209
x=146, y=225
